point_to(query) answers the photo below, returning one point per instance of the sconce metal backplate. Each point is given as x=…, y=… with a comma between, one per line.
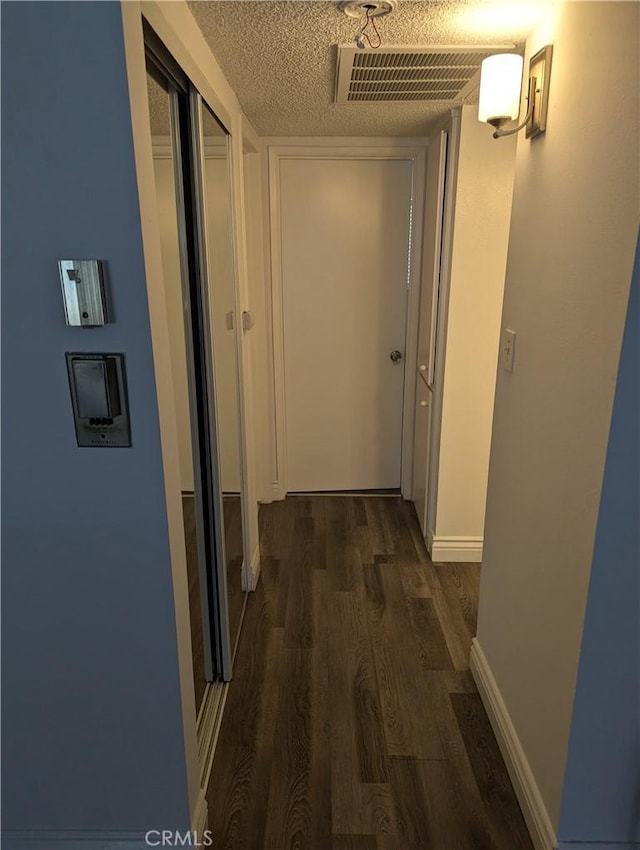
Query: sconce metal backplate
x=540, y=68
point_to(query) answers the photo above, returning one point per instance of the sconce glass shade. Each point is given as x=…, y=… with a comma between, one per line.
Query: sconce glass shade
x=500, y=83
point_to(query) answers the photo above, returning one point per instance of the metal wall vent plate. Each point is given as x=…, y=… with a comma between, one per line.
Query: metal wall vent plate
x=430, y=73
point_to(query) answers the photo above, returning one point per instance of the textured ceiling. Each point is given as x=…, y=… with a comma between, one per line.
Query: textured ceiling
x=279, y=57
x=158, y=108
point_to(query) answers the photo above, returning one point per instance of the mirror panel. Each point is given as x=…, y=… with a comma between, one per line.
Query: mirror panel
x=224, y=325
x=167, y=173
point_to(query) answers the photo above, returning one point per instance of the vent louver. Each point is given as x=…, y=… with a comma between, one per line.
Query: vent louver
x=410, y=73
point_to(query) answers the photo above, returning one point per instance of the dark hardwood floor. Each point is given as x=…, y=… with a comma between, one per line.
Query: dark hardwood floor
x=195, y=610
x=232, y=510
x=352, y=720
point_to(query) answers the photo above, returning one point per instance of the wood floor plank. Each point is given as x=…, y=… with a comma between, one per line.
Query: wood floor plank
x=275, y=585
x=353, y=842
x=458, y=682
x=289, y=815
x=434, y=810
x=344, y=563
x=299, y=617
x=391, y=520
x=413, y=525
x=381, y=539
x=412, y=808
x=265, y=730
x=414, y=581
x=450, y=735
x=379, y=816
x=360, y=512
x=277, y=528
x=351, y=629
x=346, y=810
x=434, y=653
x=460, y=588
x=409, y=727
x=320, y=773
x=361, y=537
x=472, y=579
x=303, y=506
x=382, y=559
x=505, y=819
x=478, y=803
x=231, y=796
x=404, y=548
x=454, y=628
x=319, y=552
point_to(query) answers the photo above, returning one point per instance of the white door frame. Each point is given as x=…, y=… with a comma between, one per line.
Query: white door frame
x=412, y=150
x=452, y=126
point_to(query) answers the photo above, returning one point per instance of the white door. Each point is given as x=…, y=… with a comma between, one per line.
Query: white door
x=345, y=245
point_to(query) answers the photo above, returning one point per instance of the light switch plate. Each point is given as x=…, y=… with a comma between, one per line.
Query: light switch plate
x=508, y=349
x=99, y=427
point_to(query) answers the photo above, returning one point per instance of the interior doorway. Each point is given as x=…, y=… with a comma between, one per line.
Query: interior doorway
x=345, y=225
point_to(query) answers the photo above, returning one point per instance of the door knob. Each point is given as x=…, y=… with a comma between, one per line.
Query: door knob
x=396, y=356
x=424, y=404
x=423, y=367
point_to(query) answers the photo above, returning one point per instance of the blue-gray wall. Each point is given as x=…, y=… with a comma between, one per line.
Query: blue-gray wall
x=601, y=800
x=92, y=728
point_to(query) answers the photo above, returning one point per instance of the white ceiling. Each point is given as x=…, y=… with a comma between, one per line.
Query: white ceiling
x=279, y=57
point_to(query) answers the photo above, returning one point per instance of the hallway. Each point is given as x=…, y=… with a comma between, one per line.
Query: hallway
x=352, y=720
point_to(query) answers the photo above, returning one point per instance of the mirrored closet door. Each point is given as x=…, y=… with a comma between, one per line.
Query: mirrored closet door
x=216, y=211
x=191, y=170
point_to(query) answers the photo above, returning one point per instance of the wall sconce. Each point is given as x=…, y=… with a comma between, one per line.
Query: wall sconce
x=500, y=82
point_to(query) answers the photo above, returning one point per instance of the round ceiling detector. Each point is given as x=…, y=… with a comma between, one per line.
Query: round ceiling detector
x=372, y=8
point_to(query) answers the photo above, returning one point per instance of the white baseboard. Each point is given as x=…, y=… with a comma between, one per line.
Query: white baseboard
x=254, y=568
x=429, y=539
x=533, y=808
x=461, y=549
x=250, y=576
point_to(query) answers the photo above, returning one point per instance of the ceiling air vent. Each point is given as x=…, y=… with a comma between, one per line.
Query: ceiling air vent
x=410, y=73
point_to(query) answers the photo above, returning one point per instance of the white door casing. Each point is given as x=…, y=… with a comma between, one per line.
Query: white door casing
x=422, y=431
x=428, y=318
x=340, y=226
x=446, y=249
x=432, y=252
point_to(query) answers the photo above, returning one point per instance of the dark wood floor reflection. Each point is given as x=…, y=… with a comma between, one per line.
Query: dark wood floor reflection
x=195, y=609
x=233, y=548
x=352, y=720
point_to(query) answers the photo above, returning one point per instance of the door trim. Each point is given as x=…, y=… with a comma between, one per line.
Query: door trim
x=414, y=151
x=452, y=127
